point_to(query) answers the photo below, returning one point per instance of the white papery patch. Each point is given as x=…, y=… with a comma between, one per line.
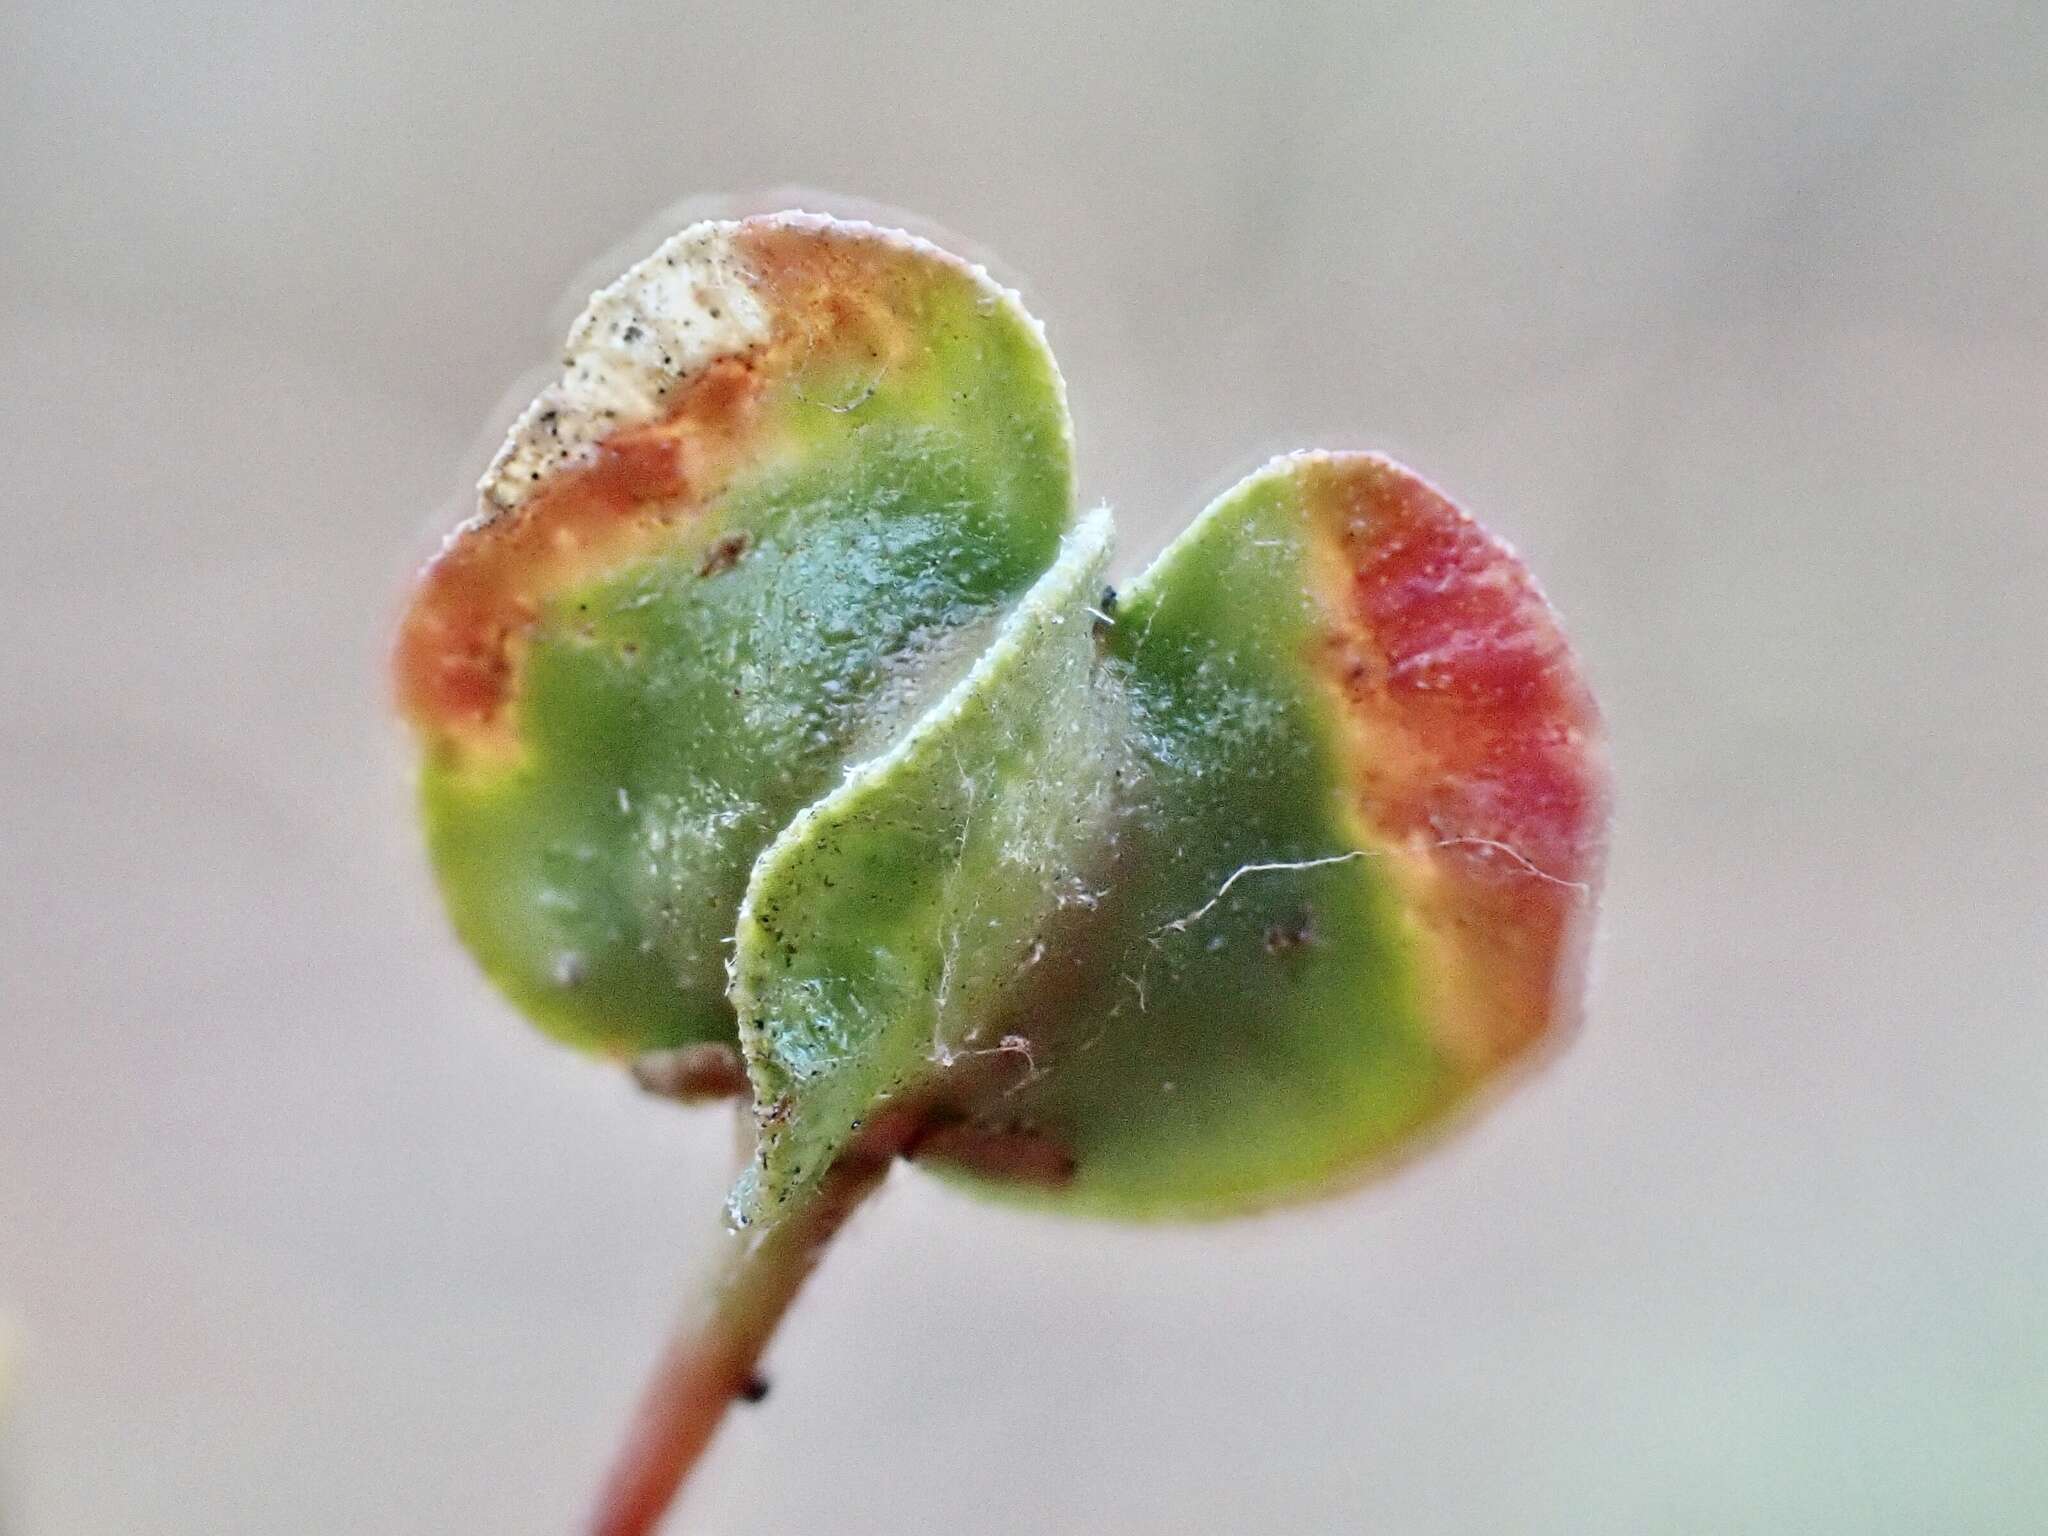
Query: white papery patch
x=690, y=302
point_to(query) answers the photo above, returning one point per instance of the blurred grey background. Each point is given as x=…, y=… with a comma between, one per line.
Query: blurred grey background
x=1731, y=316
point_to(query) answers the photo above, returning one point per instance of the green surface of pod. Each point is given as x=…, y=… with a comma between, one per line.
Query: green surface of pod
x=1355, y=862
x=774, y=698
x=793, y=475
x=887, y=933
x=1322, y=875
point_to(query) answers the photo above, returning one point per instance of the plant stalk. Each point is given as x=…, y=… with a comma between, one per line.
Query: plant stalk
x=714, y=1357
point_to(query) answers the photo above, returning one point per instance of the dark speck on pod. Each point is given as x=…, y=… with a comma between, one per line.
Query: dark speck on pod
x=1293, y=934
x=723, y=556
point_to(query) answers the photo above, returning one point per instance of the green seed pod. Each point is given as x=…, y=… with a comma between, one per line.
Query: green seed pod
x=793, y=474
x=901, y=916
x=1356, y=865
x=773, y=700
x=1227, y=901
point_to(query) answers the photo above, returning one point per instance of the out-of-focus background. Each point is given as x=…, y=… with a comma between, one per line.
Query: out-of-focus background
x=1732, y=316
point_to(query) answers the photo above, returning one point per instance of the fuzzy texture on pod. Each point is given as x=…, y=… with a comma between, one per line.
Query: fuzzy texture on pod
x=774, y=698
x=793, y=473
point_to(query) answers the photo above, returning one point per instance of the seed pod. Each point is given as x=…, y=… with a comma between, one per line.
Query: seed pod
x=773, y=700
x=1356, y=865
x=793, y=473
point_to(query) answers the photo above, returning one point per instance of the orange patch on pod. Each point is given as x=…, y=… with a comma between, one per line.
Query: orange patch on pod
x=1474, y=749
x=842, y=302
x=458, y=648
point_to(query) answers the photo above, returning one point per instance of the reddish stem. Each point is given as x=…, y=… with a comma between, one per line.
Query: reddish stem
x=713, y=1359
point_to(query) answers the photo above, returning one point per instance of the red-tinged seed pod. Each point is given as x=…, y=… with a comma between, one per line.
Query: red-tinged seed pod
x=789, y=467
x=1355, y=876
